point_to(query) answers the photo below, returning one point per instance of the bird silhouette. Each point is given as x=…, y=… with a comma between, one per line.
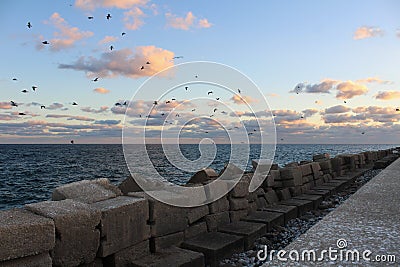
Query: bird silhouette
x=108, y=16
x=250, y=133
x=155, y=103
x=194, y=109
x=162, y=114
x=217, y=98
x=21, y=113
x=140, y=115
x=281, y=139
x=196, y=76
x=173, y=99
x=206, y=132
x=118, y=104
x=397, y=109
x=74, y=104
x=72, y=141
x=125, y=103
x=224, y=112
x=363, y=133
x=186, y=88
x=167, y=102
x=209, y=93
x=255, y=130
x=90, y=17
x=95, y=79
x=111, y=47
x=24, y=91
x=34, y=88
x=123, y=33
x=42, y=107
x=147, y=62
x=45, y=42
x=13, y=104
x=177, y=57
x=29, y=25
x=344, y=102
x=142, y=68
x=215, y=109
x=239, y=91
x=15, y=79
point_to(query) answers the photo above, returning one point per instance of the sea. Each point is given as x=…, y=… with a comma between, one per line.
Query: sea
x=29, y=173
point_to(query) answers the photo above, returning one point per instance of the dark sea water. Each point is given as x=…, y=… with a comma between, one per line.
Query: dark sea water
x=29, y=173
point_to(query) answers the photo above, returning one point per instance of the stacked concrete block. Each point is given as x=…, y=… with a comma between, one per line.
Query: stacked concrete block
x=130, y=184
x=24, y=234
x=237, y=197
x=316, y=173
x=87, y=191
x=203, y=176
x=326, y=166
x=77, y=238
x=292, y=178
x=196, y=221
x=321, y=157
x=338, y=166
x=307, y=177
x=123, y=223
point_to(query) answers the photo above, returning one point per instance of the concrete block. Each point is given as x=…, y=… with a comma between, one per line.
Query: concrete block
x=271, y=197
x=23, y=233
x=41, y=260
x=215, y=246
x=130, y=184
x=275, y=174
x=172, y=256
x=314, y=198
x=195, y=229
x=270, y=219
x=251, y=197
x=237, y=215
x=252, y=207
x=306, y=169
x=269, y=181
x=323, y=156
x=263, y=165
x=289, y=212
x=219, y=205
x=231, y=172
x=284, y=194
x=295, y=191
x=302, y=205
x=292, y=174
x=203, y=176
x=123, y=223
x=87, y=191
x=217, y=219
x=241, y=189
x=238, y=203
x=325, y=165
x=249, y=230
x=125, y=256
x=166, y=241
x=196, y=213
x=77, y=238
x=261, y=202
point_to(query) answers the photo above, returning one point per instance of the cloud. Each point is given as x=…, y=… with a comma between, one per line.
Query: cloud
x=203, y=23
x=344, y=118
x=7, y=117
x=272, y=95
x=55, y=106
x=325, y=86
x=121, y=4
x=367, y=32
x=243, y=99
x=96, y=111
x=101, y=90
x=387, y=95
x=187, y=22
x=124, y=62
x=133, y=18
x=5, y=105
x=69, y=117
x=107, y=122
x=66, y=36
x=349, y=89
x=373, y=110
x=337, y=109
x=309, y=112
x=373, y=80
x=108, y=39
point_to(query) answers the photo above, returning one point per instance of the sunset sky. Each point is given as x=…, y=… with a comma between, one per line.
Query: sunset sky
x=329, y=69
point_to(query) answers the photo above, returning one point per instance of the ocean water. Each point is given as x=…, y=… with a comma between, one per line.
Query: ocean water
x=29, y=173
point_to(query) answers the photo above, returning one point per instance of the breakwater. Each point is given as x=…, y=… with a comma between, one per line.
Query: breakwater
x=96, y=223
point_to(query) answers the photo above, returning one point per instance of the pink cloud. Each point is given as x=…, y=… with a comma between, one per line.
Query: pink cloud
x=133, y=18
x=349, y=89
x=121, y=4
x=101, y=90
x=387, y=95
x=367, y=32
x=5, y=105
x=242, y=100
x=204, y=23
x=108, y=39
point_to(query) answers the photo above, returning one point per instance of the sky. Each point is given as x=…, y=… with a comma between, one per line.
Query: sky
x=329, y=70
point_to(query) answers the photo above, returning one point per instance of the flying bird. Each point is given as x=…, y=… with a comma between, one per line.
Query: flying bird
x=363, y=133
x=118, y=104
x=42, y=107
x=397, y=109
x=90, y=17
x=125, y=103
x=142, y=68
x=155, y=103
x=186, y=88
x=29, y=25
x=167, y=102
x=108, y=16
x=239, y=91
x=72, y=141
x=224, y=112
x=74, y=104
x=215, y=109
x=173, y=99
x=111, y=47
x=123, y=33
x=24, y=91
x=217, y=98
x=194, y=109
x=14, y=79
x=34, y=88
x=13, y=104
x=196, y=76
x=95, y=79
x=45, y=42
x=210, y=92
x=177, y=57
x=147, y=62
x=162, y=114
x=21, y=113
x=344, y=102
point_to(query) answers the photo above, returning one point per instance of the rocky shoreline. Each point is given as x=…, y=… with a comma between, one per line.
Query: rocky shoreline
x=280, y=236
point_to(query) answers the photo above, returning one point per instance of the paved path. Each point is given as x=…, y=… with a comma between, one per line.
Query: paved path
x=368, y=220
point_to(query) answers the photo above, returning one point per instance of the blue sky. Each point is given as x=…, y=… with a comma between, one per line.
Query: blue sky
x=354, y=45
